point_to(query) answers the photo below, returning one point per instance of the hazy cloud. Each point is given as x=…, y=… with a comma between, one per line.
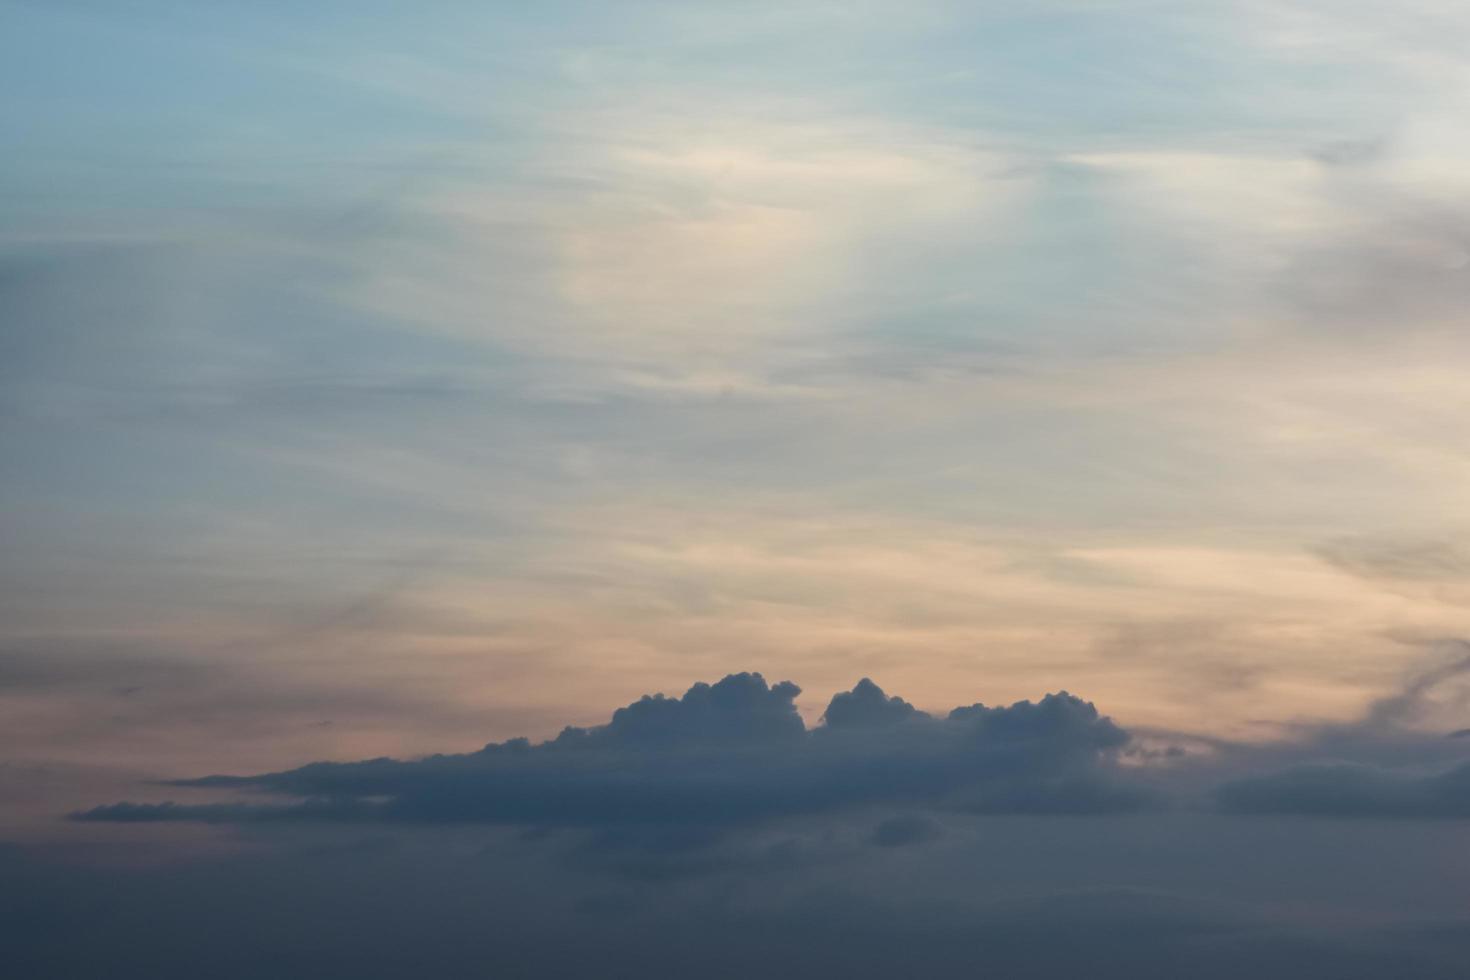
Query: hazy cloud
x=373, y=909
x=901, y=831
x=1346, y=790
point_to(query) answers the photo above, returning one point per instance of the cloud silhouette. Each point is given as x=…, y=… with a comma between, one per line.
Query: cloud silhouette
x=867, y=705
x=739, y=708
x=723, y=754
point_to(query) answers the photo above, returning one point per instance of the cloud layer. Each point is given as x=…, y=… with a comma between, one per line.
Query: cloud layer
x=1349, y=790
x=726, y=753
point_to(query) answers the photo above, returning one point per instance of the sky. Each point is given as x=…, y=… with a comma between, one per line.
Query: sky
x=1007, y=460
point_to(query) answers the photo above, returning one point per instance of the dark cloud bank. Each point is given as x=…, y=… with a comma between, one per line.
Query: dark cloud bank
x=1351, y=790
x=716, y=835
x=376, y=912
x=735, y=752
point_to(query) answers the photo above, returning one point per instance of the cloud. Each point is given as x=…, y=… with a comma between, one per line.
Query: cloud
x=730, y=753
x=866, y=705
x=1349, y=790
x=901, y=831
x=1387, y=558
x=1404, y=272
x=1414, y=700
x=740, y=707
x=372, y=909
x=1403, y=758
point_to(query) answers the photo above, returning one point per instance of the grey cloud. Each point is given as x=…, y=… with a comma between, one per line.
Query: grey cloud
x=666, y=854
x=371, y=911
x=1407, y=271
x=60, y=667
x=730, y=753
x=150, y=706
x=1411, y=702
x=740, y=707
x=1350, y=152
x=1401, y=559
x=866, y=705
x=1347, y=790
x=1399, y=759
x=901, y=831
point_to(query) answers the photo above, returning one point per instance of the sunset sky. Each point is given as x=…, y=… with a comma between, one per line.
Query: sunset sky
x=384, y=379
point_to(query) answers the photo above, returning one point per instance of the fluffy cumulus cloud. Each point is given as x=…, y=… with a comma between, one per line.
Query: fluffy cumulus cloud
x=727, y=753
x=866, y=704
